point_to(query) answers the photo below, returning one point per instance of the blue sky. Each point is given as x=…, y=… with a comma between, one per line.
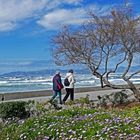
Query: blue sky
x=26, y=28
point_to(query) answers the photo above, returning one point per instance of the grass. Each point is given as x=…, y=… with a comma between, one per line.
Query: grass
x=76, y=123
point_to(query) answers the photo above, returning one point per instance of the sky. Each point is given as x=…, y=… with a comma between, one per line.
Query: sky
x=27, y=27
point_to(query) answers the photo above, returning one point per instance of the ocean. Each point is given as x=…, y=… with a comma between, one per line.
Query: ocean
x=12, y=83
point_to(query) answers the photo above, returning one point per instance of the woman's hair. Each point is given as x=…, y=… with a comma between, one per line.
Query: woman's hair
x=71, y=71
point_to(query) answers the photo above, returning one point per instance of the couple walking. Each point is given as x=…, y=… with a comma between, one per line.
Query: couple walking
x=57, y=86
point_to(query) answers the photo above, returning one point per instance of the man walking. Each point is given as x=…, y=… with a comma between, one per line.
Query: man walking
x=57, y=86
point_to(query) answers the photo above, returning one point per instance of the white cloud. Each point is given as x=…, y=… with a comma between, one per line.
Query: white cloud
x=6, y=26
x=55, y=3
x=76, y=2
x=52, y=13
x=53, y=20
x=59, y=17
x=13, y=11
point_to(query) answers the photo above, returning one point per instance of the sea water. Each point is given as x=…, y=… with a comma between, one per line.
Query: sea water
x=11, y=84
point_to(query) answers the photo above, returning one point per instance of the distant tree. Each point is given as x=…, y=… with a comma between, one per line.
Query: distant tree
x=103, y=44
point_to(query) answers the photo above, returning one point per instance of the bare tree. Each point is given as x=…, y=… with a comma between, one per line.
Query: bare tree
x=103, y=44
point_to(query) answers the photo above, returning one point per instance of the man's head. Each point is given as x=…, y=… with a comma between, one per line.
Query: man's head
x=57, y=72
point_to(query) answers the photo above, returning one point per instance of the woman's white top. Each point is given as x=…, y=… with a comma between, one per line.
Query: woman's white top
x=71, y=79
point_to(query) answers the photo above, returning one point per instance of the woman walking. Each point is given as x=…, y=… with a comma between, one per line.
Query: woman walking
x=69, y=87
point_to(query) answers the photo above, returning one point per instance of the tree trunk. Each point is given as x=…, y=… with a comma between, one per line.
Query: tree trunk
x=102, y=83
x=129, y=85
x=108, y=84
x=135, y=91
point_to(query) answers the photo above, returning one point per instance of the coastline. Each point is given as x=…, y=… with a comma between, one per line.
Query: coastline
x=44, y=93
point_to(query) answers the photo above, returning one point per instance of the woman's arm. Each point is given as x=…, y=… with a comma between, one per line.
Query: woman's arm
x=73, y=79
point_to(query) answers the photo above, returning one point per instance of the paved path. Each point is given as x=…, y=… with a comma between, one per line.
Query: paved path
x=92, y=95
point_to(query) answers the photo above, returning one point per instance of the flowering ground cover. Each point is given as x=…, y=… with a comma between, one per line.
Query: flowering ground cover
x=76, y=123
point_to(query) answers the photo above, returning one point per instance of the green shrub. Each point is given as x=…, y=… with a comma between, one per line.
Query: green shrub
x=13, y=109
x=120, y=97
x=114, y=98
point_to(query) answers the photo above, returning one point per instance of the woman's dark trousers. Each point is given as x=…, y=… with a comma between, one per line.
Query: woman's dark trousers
x=69, y=91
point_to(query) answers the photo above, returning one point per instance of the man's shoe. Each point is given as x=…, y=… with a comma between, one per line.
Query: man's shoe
x=50, y=101
x=58, y=107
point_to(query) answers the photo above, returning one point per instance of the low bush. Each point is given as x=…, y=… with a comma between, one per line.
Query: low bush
x=13, y=109
x=115, y=98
